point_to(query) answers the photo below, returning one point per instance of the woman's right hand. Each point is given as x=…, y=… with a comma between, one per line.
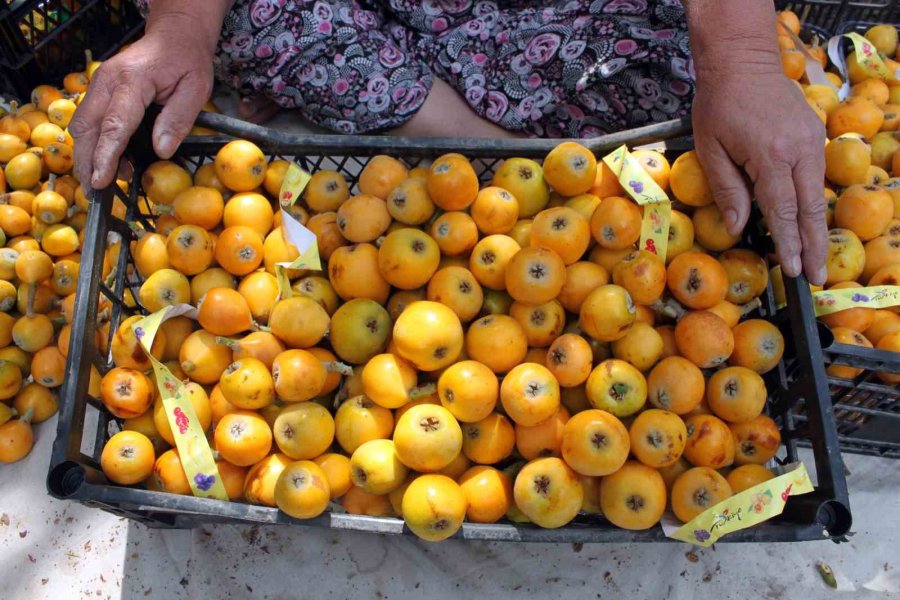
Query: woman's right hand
x=169, y=66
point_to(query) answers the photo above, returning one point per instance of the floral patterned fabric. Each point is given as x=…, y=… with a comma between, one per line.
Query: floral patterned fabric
x=575, y=68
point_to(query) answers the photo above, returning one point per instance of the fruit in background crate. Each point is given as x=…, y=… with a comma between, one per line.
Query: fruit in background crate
x=890, y=342
x=16, y=438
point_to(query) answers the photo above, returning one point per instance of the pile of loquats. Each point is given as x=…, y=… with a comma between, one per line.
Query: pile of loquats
x=862, y=168
x=470, y=352
x=42, y=216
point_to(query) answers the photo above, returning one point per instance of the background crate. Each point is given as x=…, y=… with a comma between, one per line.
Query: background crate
x=866, y=409
x=826, y=17
x=43, y=40
x=84, y=424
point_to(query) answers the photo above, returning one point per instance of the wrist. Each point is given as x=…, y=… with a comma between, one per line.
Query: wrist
x=194, y=21
x=732, y=37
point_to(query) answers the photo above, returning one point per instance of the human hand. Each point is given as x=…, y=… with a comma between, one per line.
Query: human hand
x=756, y=137
x=167, y=66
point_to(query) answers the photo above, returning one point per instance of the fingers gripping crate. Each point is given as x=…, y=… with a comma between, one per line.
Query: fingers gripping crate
x=797, y=387
x=43, y=40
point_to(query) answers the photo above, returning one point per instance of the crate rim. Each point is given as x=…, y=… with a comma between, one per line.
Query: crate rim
x=67, y=479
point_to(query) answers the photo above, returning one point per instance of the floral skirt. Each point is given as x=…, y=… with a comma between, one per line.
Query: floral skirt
x=575, y=68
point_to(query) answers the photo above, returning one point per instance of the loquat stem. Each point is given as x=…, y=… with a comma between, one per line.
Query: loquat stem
x=29, y=414
x=378, y=242
x=232, y=344
x=333, y=366
x=51, y=182
x=748, y=308
x=136, y=229
x=423, y=390
x=4, y=198
x=88, y=58
x=670, y=309
x=103, y=316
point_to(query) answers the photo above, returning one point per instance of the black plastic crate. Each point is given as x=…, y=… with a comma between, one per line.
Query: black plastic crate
x=826, y=17
x=863, y=25
x=798, y=388
x=866, y=409
x=43, y=40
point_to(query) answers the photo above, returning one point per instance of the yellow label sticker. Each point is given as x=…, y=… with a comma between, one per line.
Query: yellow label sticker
x=190, y=439
x=746, y=509
x=295, y=181
x=295, y=234
x=868, y=59
x=303, y=240
x=826, y=302
x=645, y=191
x=655, y=228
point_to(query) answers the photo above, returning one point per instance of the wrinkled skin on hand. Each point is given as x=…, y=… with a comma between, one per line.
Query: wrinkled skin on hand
x=167, y=66
x=757, y=138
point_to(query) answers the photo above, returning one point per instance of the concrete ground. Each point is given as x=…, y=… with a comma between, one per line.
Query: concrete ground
x=62, y=550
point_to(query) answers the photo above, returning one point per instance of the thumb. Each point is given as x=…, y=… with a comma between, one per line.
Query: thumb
x=727, y=184
x=179, y=113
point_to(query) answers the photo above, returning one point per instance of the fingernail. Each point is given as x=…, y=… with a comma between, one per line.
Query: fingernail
x=166, y=144
x=95, y=178
x=794, y=266
x=730, y=216
x=821, y=276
